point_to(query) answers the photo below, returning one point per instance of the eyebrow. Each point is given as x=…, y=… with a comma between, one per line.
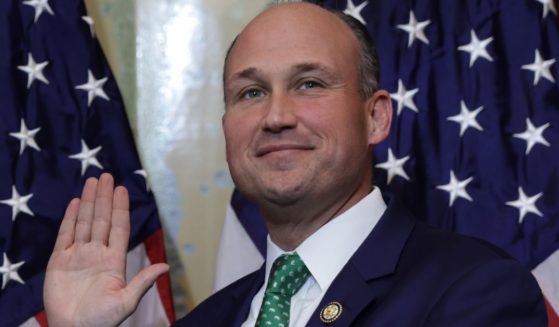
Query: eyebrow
x=248, y=73
x=253, y=72
x=312, y=67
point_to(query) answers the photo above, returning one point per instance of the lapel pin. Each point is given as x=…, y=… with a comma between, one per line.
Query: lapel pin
x=331, y=312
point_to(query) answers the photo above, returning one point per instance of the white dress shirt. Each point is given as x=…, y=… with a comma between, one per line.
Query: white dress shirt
x=324, y=253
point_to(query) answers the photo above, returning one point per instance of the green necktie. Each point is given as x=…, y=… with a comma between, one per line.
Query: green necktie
x=287, y=275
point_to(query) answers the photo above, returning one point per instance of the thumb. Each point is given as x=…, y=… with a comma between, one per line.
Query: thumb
x=140, y=284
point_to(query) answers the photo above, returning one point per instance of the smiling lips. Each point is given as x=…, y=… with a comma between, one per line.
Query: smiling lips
x=272, y=148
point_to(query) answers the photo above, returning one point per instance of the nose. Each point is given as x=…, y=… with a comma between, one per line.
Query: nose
x=280, y=115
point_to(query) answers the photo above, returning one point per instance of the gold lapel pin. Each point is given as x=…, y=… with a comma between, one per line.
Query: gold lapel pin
x=331, y=312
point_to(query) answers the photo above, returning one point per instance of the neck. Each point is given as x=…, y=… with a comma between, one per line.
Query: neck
x=290, y=226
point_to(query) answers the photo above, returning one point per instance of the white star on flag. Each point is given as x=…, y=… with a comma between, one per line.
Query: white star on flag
x=18, y=203
x=394, y=166
x=26, y=137
x=456, y=188
x=34, y=70
x=533, y=135
x=144, y=174
x=548, y=5
x=94, y=87
x=404, y=97
x=525, y=204
x=476, y=48
x=415, y=29
x=541, y=68
x=91, y=24
x=9, y=271
x=87, y=157
x=354, y=11
x=40, y=6
x=466, y=118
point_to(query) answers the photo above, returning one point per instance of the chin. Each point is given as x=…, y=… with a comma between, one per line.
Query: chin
x=285, y=195
x=281, y=189
x=281, y=200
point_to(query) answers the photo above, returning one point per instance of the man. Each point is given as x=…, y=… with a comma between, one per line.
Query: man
x=303, y=110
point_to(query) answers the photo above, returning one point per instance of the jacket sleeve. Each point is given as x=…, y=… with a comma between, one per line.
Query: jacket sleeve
x=498, y=293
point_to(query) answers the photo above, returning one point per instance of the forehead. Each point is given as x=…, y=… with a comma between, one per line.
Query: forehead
x=293, y=33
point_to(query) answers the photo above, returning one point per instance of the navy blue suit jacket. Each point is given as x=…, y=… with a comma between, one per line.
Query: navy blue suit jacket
x=407, y=274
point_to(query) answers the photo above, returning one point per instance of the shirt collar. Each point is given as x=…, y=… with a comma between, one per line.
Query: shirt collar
x=328, y=249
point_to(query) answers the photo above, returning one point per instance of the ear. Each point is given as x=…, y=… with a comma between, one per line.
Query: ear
x=379, y=116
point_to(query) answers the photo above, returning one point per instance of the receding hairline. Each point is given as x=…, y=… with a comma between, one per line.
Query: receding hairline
x=275, y=6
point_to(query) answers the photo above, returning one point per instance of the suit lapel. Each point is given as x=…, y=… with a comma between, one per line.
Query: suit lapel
x=242, y=296
x=228, y=307
x=361, y=280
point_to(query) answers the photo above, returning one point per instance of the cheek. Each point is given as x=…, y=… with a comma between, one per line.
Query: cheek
x=238, y=130
x=342, y=120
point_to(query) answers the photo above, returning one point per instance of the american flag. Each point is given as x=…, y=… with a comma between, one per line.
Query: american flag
x=62, y=120
x=474, y=145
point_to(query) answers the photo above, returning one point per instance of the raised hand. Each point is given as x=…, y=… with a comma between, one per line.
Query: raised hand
x=85, y=283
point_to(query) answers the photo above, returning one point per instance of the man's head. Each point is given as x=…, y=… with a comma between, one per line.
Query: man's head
x=299, y=124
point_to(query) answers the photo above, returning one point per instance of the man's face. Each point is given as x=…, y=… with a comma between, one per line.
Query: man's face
x=296, y=126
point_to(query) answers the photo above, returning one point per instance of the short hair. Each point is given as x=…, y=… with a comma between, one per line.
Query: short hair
x=368, y=65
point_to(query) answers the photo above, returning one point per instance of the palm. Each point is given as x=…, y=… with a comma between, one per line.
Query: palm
x=85, y=282
x=87, y=273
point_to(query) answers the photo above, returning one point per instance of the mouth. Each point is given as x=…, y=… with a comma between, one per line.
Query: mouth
x=279, y=148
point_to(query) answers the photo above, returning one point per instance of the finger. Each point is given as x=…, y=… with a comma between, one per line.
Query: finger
x=103, y=209
x=67, y=229
x=85, y=215
x=140, y=284
x=120, y=223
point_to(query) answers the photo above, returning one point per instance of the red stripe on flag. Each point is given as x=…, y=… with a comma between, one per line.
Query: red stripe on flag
x=155, y=250
x=41, y=318
x=552, y=317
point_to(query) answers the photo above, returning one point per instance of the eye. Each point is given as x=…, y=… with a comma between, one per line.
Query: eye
x=310, y=84
x=252, y=93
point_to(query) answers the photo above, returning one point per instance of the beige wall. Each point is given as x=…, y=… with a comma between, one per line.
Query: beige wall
x=167, y=58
